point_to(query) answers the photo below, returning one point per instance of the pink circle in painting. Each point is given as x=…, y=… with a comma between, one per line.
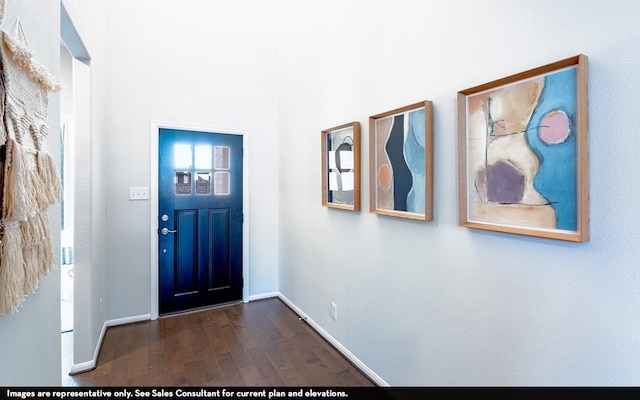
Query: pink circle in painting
x=554, y=127
x=384, y=177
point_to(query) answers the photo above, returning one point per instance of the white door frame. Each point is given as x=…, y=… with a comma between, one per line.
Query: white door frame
x=153, y=193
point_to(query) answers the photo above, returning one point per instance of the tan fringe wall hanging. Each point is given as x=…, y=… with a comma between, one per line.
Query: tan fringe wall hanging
x=29, y=179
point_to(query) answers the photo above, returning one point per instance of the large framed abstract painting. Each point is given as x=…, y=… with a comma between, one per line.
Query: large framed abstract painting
x=401, y=162
x=523, y=153
x=341, y=167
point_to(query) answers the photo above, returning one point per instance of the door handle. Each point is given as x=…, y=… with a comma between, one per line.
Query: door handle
x=164, y=231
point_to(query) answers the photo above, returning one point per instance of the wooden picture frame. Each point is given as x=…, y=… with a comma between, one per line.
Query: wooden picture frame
x=341, y=167
x=401, y=162
x=523, y=160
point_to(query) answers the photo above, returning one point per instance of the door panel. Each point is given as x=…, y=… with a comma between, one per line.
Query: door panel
x=200, y=221
x=219, y=266
x=186, y=260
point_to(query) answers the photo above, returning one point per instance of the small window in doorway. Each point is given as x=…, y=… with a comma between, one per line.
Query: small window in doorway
x=203, y=182
x=183, y=182
x=221, y=183
x=182, y=155
x=202, y=156
x=221, y=156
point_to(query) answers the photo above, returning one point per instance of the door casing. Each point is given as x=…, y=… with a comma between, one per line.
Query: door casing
x=154, y=206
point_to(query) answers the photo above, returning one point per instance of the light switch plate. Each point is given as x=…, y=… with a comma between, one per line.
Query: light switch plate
x=138, y=193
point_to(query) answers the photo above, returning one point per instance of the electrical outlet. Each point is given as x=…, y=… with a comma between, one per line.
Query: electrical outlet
x=138, y=193
x=334, y=311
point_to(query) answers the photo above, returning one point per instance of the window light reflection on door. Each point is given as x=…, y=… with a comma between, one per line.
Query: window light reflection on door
x=182, y=155
x=203, y=156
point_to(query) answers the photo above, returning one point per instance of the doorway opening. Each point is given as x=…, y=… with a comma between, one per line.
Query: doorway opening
x=201, y=187
x=201, y=201
x=75, y=128
x=67, y=175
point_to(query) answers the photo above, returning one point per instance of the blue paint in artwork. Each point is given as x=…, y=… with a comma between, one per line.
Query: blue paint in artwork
x=402, y=180
x=414, y=156
x=556, y=177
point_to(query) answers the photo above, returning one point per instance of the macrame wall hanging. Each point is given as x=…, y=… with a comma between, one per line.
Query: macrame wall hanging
x=29, y=179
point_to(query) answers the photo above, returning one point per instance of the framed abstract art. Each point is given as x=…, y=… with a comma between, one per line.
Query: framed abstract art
x=401, y=162
x=523, y=153
x=341, y=167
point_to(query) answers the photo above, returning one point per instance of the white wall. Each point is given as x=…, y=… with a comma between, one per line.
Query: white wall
x=431, y=303
x=198, y=63
x=30, y=345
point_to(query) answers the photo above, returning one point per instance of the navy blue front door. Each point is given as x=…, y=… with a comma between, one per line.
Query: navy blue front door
x=200, y=219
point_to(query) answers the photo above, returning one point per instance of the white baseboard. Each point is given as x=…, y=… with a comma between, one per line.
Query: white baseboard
x=91, y=364
x=262, y=296
x=345, y=352
x=128, y=320
x=82, y=367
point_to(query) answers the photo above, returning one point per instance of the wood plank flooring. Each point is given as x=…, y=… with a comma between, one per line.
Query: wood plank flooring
x=261, y=343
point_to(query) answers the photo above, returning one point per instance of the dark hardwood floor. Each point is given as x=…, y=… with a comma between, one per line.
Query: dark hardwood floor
x=261, y=343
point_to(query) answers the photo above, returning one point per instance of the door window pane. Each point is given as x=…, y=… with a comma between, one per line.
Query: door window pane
x=181, y=155
x=182, y=182
x=203, y=156
x=203, y=182
x=221, y=183
x=221, y=156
